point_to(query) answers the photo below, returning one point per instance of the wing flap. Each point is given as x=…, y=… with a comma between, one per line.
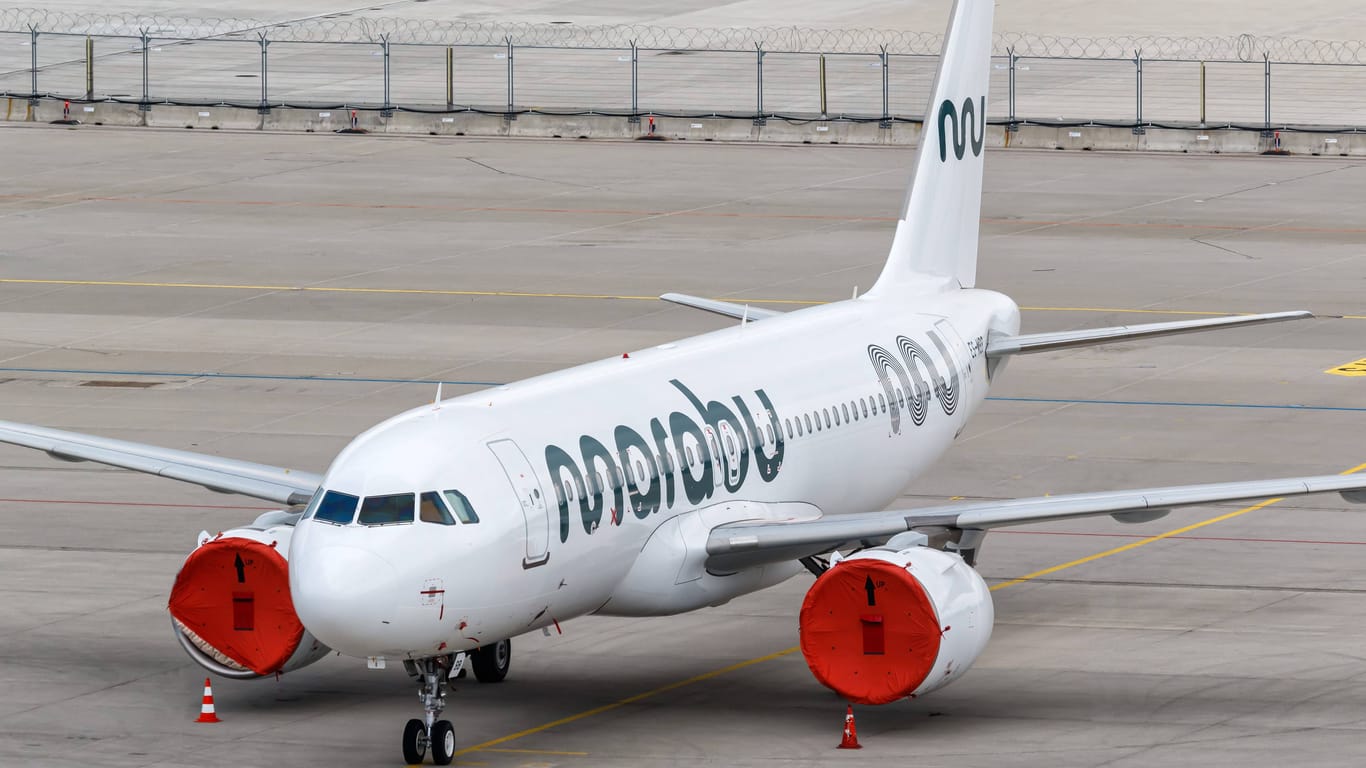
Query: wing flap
x=741, y=545
x=1001, y=346
x=261, y=481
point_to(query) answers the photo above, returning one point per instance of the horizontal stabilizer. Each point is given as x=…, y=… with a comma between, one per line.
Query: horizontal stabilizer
x=1000, y=346
x=734, y=546
x=725, y=308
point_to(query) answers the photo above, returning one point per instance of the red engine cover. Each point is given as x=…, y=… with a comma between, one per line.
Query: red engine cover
x=234, y=594
x=869, y=631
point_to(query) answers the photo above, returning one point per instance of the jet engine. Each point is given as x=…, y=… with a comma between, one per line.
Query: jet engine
x=230, y=603
x=887, y=623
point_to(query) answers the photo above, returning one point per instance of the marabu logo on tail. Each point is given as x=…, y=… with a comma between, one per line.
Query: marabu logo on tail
x=971, y=129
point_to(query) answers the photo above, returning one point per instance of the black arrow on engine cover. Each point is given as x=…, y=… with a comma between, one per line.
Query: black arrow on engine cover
x=869, y=586
x=242, y=572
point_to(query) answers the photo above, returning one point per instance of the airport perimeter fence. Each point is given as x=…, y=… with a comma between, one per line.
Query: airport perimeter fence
x=760, y=74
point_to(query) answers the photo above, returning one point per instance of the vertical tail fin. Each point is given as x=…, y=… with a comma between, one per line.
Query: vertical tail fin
x=935, y=246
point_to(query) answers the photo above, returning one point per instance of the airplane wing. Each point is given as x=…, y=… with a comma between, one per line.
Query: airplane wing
x=734, y=546
x=285, y=486
x=725, y=308
x=1000, y=346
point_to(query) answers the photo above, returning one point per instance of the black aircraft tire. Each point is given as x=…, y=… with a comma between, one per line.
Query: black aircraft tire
x=492, y=662
x=443, y=742
x=414, y=742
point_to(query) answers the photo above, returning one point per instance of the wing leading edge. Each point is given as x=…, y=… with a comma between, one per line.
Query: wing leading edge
x=743, y=545
x=261, y=481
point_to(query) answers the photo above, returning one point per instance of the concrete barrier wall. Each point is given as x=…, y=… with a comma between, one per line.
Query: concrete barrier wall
x=1209, y=141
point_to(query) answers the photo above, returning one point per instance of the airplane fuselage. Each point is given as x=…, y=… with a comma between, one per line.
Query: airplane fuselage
x=573, y=475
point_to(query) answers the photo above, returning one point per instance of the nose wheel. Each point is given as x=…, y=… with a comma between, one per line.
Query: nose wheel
x=432, y=676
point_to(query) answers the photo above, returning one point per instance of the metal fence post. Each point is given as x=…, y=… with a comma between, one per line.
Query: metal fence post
x=510, y=115
x=1266, y=100
x=1138, y=94
x=33, y=65
x=387, y=109
x=264, y=108
x=450, y=77
x=759, y=85
x=1013, y=126
x=824, y=111
x=886, y=121
x=1202, y=94
x=146, y=104
x=635, y=85
x=89, y=68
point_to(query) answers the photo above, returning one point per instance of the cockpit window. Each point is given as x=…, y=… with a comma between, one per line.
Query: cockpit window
x=431, y=509
x=461, y=506
x=387, y=510
x=313, y=504
x=336, y=508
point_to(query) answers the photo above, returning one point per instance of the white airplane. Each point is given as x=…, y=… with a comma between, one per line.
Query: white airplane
x=669, y=479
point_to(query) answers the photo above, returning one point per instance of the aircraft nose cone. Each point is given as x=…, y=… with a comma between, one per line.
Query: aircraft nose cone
x=345, y=597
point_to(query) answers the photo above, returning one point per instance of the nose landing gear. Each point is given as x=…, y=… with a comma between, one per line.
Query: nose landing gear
x=432, y=675
x=490, y=663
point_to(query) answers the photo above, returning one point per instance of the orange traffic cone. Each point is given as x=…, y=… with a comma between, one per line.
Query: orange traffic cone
x=850, y=740
x=206, y=714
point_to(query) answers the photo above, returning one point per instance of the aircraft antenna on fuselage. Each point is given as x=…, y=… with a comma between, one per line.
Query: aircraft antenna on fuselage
x=935, y=246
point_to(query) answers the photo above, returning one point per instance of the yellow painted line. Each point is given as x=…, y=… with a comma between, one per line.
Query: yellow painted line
x=624, y=702
x=534, y=752
x=341, y=289
x=1150, y=539
x=1133, y=545
x=547, y=295
x=1355, y=368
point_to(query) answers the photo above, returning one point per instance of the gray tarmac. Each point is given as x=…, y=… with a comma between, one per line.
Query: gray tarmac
x=268, y=296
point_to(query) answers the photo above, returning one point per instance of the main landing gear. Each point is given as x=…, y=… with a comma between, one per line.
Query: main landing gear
x=491, y=664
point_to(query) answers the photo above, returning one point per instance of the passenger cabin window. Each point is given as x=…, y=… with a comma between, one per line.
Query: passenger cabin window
x=387, y=510
x=807, y=417
x=845, y=410
x=881, y=403
x=337, y=508
x=431, y=509
x=461, y=506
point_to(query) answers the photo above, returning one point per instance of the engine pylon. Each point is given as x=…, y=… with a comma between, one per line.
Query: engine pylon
x=206, y=713
x=850, y=739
